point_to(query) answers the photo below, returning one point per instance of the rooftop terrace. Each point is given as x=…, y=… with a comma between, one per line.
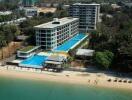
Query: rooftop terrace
x=61, y=21
x=92, y=4
x=29, y=49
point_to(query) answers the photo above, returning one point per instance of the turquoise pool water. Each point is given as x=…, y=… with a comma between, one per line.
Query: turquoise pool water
x=34, y=61
x=20, y=89
x=70, y=43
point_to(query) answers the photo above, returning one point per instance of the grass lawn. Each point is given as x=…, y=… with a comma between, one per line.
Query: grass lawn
x=26, y=49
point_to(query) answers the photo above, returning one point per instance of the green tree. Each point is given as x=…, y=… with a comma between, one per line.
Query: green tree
x=104, y=59
x=106, y=9
x=10, y=32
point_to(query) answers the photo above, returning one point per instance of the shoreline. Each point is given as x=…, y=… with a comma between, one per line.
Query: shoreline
x=68, y=77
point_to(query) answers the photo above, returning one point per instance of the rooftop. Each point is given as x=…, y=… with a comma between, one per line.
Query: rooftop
x=46, y=9
x=85, y=52
x=28, y=49
x=61, y=21
x=86, y=4
x=55, y=58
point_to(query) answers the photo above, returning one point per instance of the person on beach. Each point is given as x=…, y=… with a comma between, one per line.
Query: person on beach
x=7, y=67
x=96, y=82
x=88, y=81
x=67, y=75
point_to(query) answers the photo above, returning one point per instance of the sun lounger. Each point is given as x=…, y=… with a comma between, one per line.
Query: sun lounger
x=115, y=80
x=109, y=80
x=120, y=80
x=125, y=81
x=129, y=81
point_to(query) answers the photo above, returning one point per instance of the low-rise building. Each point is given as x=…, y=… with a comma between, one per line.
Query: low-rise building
x=16, y=21
x=5, y=12
x=66, y=6
x=85, y=54
x=27, y=51
x=45, y=4
x=115, y=6
x=55, y=62
x=31, y=11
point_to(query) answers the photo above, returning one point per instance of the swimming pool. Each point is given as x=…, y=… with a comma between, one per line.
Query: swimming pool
x=70, y=44
x=36, y=61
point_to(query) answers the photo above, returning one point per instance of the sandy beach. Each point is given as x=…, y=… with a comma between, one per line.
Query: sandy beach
x=67, y=77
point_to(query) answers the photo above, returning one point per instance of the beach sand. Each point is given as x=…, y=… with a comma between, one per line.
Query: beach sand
x=67, y=77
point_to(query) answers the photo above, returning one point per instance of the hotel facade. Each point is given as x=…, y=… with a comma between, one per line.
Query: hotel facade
x=53, y=34
x=88, y=15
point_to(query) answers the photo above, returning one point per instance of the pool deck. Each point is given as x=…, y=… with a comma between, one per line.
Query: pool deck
x=72, y=43
x=37, y=61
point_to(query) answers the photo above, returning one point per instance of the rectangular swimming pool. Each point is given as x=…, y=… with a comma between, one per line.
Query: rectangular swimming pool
x=36, y=61
x=70, y=44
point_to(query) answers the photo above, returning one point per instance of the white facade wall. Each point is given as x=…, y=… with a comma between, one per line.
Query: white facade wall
x=50, y=38
x=88, y=15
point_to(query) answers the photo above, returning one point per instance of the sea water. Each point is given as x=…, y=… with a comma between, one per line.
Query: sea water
x=21, y=89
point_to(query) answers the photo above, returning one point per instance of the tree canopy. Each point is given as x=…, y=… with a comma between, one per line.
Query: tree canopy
x=8, y=34
x=115, y=34
x=104, y=59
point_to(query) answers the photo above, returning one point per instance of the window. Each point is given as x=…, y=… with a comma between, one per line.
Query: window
x=48, y=35
x=43, y=47
x=43, y=43
x=48, y=31
x=48, y=39
x=48, y=43
x=43, y=31
x=43, y=35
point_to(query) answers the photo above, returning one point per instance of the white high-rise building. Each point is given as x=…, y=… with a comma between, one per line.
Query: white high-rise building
x=52, y=34
x=88, y=15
